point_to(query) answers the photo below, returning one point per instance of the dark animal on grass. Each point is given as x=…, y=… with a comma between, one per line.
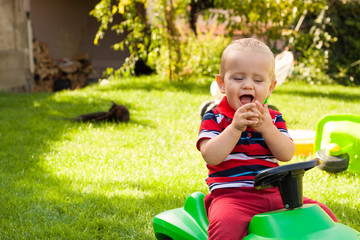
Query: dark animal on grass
x=61, y=84
x=141, y=68
x=117, y=113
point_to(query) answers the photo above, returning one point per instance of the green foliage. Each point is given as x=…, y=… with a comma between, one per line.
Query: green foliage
x=312, y=49
x=269, y=20
x=157, y=36
x=326, y=46
x=275, y=21
x=165, y=41
x=200, y=55
x=344, y=66
x=133, y=23
x=167, y=44
x=104, y=15
x=305, y=72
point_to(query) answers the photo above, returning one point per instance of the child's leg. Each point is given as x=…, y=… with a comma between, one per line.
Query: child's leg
x=231, y=210
x=227, y=220
x=325, y=208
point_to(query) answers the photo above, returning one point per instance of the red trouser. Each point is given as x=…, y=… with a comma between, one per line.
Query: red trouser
x=230, y=210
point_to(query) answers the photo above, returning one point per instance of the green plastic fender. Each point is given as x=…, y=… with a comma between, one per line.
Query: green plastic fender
x=307, y=222
x=187, y=223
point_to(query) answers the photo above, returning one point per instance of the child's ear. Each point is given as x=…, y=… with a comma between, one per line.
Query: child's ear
x=272, y=87
x=221, y=84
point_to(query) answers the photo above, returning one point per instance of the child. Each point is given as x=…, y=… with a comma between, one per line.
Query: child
x=242, y=137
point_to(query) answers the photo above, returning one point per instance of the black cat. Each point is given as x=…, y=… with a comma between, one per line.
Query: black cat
x=117, y=113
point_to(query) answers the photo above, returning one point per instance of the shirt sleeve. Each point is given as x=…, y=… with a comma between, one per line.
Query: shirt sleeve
x=280, y=123
x=209, y=126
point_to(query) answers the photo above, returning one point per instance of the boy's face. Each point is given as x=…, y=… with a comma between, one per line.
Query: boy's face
x=246, y=77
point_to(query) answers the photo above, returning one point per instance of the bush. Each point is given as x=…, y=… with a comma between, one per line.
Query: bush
x=200, y=56
x=328, y=44
x=311, y=48
x=310, y=74
x=344, y=54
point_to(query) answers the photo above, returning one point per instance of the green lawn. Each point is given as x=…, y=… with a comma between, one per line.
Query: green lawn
x=65, y=180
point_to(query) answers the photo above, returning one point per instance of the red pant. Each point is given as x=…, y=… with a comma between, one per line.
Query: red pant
x=230, y=210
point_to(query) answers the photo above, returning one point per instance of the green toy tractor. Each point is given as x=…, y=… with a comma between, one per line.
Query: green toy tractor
x=296, y=221
x=337, y=143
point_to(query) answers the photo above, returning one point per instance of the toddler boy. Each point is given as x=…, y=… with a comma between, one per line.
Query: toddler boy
x=240, y=138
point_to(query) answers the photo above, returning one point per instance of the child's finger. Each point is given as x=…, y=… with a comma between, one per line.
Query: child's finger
x=266, y=106
x=252, y=123
x=260, y=106
x=246, y=107
x=255, y=110
x=250, y=114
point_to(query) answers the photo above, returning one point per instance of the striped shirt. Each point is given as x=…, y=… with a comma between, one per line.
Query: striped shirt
x=250, y=155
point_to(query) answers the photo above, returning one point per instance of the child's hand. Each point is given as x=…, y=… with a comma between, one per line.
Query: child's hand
x=246, y=115
x=264, y=120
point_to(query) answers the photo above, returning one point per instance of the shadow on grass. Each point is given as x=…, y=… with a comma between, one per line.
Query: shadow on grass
x=65, y=213
x=35, y=202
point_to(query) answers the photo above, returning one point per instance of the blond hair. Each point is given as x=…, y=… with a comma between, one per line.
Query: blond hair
x=251, y=44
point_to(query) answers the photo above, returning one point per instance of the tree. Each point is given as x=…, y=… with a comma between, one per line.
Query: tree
x=145, y=35
x=164, y=33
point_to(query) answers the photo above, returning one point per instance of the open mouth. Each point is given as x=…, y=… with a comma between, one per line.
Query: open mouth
x=244, y=99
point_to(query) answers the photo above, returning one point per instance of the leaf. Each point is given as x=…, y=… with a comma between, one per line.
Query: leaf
x=96, y=40
x=114, y=9
x=121, y=8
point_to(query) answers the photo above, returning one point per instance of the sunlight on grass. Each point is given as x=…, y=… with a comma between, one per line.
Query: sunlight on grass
x=303, y=105
x=62, y=179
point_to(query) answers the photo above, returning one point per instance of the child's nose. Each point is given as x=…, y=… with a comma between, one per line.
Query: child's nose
x=247, y=84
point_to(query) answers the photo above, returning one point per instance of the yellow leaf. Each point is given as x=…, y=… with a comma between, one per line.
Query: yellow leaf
x=114, y=9
x=121, y=8
x=96, y=40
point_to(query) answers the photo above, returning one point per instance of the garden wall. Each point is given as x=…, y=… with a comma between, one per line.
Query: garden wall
x=14, y=47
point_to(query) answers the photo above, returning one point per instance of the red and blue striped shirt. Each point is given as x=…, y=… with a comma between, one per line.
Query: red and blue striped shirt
x=250, y=155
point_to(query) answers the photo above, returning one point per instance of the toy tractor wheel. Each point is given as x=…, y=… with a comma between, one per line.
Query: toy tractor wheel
x=332, y=164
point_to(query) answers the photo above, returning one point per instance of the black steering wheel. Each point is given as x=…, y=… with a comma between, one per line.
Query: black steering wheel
x=289, y=180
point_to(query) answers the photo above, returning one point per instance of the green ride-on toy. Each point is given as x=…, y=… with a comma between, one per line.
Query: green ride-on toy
x=296, y=221
x=337, y=143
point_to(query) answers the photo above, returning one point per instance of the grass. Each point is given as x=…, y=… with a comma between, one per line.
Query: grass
x=65, y=180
